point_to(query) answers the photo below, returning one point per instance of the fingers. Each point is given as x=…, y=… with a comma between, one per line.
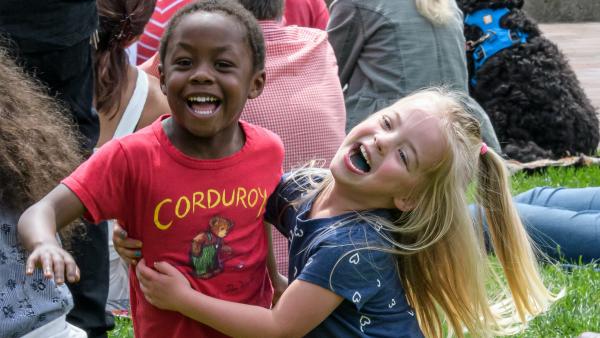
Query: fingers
x=55, y=262
x=166, y=268
x=128, y=248
x=73, y=273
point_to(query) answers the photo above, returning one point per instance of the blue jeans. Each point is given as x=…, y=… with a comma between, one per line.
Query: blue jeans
x=564, y=223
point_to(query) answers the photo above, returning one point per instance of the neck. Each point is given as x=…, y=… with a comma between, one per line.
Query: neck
x=333, y=201
x=226, y=143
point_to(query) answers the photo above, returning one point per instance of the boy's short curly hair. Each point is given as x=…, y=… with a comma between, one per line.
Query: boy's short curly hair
x=228, y=7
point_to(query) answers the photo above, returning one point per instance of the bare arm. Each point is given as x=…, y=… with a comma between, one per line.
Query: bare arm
x=300, y=309
x=37, y=229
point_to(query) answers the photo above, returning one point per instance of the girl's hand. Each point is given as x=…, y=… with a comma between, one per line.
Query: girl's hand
x=128, y=248
x=55, y=261
x=280, y=283
x=163, y=288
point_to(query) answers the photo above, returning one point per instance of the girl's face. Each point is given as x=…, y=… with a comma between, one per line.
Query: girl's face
x=384, y=158
x=208, y=73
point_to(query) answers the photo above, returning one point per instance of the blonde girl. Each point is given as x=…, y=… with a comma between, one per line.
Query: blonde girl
x=382, y=244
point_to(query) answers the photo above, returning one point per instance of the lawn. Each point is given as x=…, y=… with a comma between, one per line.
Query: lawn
x=578, y=311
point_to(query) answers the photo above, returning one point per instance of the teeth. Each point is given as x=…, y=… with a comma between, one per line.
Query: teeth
x=363, y=151
x=203, y=99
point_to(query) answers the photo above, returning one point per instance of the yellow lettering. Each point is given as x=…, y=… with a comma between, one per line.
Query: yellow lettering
x=157, y=211
x=178, y=205
x=198, y=202
x=263, y=195
x=225, y=203
x=252, y=200
x=241, y=195
x=213, y=203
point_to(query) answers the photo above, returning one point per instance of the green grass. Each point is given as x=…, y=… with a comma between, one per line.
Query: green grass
x=578, y=311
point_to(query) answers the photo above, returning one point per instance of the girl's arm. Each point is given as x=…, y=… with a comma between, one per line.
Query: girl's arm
x=37, y=229
x=300, y=309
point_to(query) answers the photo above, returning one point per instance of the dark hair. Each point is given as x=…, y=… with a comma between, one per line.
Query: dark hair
x=227, y=7
x=264, y=10
x=38, y=142
x=121, y=21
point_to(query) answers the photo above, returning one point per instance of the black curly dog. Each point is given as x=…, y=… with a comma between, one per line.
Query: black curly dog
x=531, y=94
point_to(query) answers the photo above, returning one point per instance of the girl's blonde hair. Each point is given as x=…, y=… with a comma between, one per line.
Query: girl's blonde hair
x=437, y=12
x=442, y=259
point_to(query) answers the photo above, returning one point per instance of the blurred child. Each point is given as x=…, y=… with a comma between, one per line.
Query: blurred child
x=193, y=186
x=382, y=244
x=38, y=147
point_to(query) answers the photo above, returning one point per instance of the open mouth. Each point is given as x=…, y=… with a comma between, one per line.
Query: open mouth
x=203, y=105
x=359, y=158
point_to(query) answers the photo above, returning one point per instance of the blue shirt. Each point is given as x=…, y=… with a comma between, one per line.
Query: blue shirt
x=347, y=260
x=26, y=302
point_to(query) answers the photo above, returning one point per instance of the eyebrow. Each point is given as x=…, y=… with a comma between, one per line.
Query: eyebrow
x=189, y=46
x=409, y=143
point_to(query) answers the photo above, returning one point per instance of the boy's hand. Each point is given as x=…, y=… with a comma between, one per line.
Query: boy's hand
x=280, y=283
x=128, y=248
x=54, y=261
x=163, y=288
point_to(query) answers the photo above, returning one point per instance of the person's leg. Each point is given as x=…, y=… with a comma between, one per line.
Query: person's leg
x=575, y=199
x=90, y=251
x=559, y=233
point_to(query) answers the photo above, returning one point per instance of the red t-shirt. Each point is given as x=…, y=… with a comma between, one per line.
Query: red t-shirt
x=306, y=13
x=203, y=216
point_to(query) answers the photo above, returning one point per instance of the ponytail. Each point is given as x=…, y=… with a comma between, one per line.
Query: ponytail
x=121, y=22
x=509, y=239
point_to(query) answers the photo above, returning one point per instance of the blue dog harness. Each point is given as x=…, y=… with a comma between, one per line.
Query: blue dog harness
x=494, y=39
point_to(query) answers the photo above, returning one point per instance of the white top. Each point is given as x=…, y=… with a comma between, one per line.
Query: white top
x=134, y=109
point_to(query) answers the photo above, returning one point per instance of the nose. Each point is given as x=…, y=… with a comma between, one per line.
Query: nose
x=202, y=74
x=381, y=144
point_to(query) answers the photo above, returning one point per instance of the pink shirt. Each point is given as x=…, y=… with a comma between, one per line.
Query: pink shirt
x=306, y=13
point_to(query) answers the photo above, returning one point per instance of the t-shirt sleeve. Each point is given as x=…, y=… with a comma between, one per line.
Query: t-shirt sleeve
x=351, y=267
x=101, y=182
x=277, y=203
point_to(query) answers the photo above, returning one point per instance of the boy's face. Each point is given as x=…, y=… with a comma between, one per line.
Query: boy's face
x=208, y=74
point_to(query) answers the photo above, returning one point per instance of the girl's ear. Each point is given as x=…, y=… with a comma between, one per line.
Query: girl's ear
x=161, y=77
x=404, y=203
x=257, y=85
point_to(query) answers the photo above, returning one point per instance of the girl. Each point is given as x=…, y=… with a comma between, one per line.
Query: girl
x=38, y=147
x=176, y=185
x=382, y=244
x=125, y=97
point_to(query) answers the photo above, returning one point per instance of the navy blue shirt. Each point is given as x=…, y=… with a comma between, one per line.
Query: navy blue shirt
x=344, y=255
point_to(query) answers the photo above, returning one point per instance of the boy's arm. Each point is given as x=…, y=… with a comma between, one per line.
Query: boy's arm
x=37, y=229
x=279, y=281
x=300, y=309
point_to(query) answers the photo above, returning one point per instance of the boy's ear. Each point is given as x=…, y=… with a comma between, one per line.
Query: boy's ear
x=404, y=203
x=257, y=85
x=161, y=77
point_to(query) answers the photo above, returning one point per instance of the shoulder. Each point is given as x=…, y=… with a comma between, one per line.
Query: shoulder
x=156, y=103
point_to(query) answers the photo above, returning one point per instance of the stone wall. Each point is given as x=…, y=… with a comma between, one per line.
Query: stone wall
x=563, y=10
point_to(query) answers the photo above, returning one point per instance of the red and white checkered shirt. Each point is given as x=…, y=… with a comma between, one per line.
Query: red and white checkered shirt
x=302, y=100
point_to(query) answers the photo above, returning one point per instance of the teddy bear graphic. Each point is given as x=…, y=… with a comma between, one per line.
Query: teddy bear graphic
x=208, y=250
